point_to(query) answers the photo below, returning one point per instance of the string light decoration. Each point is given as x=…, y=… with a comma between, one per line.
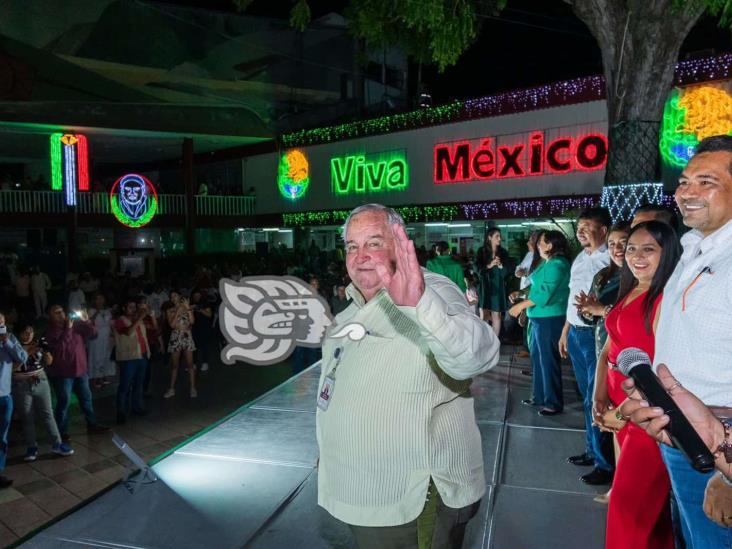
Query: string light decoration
x=133, y=200
x=578, y=90
x=472, y=211
x=690, y=115
x=293, y=176
x=69, y=165
x=623, y=200
x=702, y=70
x=526, y=208
x=410, y=214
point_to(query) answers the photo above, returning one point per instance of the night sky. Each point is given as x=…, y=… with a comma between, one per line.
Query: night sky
x=532, y=42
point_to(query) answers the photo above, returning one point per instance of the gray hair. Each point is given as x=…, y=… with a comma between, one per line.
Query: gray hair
x=392, y=216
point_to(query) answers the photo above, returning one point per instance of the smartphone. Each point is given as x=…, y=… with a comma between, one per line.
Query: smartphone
x=74, y=315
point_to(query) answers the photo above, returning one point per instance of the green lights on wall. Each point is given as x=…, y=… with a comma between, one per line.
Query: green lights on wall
x=369, y=173
x=411, y=214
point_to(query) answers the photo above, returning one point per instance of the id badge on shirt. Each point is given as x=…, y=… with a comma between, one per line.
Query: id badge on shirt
x=326, y=392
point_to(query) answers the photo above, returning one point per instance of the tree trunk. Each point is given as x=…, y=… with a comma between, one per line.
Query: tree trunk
x=640, y=42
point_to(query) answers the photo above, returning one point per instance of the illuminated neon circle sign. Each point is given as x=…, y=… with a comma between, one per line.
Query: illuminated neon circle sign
x=485, y=158
x=293, y=176
x=690, y=115
x=133, y=200
x=362, y=173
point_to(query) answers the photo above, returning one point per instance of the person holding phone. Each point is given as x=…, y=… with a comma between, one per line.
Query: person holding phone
x=32, y=394
x=11, y=351
x=66, y=338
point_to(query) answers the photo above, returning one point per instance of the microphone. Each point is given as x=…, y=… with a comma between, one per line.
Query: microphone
x=636, y=363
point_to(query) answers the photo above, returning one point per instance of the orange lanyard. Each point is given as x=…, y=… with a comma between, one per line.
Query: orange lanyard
x=707, y=270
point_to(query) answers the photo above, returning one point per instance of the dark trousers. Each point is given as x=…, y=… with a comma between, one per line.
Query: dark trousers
x=303, y=357
x=62, y=387
x=6, y=416
x=546, y=362
x=581, y=348
x=131, y=381
x=438, y=526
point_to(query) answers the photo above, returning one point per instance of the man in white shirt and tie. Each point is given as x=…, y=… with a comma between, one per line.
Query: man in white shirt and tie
x=578, y=339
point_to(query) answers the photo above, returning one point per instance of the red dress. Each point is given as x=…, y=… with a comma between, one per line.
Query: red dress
x=638, y=514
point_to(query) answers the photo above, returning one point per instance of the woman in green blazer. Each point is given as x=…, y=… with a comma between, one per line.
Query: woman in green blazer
x=546, y=309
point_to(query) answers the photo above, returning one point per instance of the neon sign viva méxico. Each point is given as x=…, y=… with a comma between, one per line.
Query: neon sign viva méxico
x=368, y=173
x=484, y=158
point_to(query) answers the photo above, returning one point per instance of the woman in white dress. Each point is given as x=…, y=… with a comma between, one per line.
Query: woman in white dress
x=101, y=367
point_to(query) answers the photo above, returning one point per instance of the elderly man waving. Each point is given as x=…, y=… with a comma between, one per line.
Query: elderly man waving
x=400, y=451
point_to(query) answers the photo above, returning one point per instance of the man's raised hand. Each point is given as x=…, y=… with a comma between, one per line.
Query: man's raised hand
x=406, y=283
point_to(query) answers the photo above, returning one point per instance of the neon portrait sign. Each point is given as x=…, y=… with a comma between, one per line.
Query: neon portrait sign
x=293, y=177
x=485, y=158
x=69, y=165
x=369, y=173
x=133, y=200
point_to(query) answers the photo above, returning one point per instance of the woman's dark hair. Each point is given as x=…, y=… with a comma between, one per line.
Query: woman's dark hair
x=560, y=246
x=608, y=272
x=665, y=237
x=485, y=252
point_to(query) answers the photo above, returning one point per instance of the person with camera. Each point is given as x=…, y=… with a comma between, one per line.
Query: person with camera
x=11, y=351
x=132, y=352
x=180, y=319
x=66, y=338
x=32, y=394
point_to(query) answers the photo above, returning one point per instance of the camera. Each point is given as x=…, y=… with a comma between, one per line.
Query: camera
x=3, y=330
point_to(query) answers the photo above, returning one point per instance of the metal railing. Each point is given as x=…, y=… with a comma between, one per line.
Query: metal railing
x=98, y=203
x=32, y=202
x=224, y=205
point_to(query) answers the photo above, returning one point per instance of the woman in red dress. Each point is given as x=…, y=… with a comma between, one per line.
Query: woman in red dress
x=638, y=512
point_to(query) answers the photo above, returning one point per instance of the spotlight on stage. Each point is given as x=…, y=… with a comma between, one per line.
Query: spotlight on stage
x=143, y=472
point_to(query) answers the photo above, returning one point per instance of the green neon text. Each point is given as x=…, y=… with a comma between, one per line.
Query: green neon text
x=358, y=174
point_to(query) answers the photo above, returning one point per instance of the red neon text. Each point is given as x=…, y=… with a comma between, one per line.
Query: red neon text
x=482, y=159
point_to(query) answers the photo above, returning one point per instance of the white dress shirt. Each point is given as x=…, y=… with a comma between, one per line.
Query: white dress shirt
x=694, y=333
x=525, y=265
x=584, y=269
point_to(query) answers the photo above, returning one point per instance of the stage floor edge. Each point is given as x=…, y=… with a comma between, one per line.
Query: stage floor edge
x=251, y=480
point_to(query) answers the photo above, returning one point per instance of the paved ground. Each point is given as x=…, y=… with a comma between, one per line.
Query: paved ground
x=46, y=489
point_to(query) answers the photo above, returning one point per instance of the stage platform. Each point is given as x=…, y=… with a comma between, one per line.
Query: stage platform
x=251, y=481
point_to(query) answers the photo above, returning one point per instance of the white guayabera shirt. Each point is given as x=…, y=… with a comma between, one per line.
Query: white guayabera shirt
x=694, y=333
x=401, y=412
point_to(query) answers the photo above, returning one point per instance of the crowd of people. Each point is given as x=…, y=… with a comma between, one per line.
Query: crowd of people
x=631, y=285
x=90, y=331
x=635, y=285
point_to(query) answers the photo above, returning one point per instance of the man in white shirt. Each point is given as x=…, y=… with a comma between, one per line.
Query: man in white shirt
x=40, y=284
x=400, y=451
x=578, y=339
x=694, y=331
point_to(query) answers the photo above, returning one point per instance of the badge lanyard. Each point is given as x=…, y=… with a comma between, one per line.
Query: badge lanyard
x=326, y=391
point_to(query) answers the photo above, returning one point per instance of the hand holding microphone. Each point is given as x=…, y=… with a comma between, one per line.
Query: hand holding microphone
x=677, y=429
